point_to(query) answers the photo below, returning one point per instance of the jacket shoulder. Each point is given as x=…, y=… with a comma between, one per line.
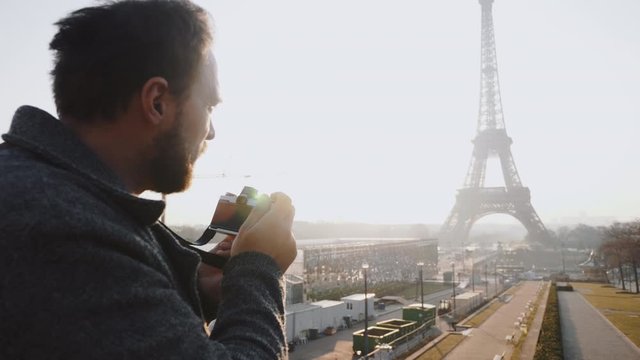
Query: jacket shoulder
x=33, y=188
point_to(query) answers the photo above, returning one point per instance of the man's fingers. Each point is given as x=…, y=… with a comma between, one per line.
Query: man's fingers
x=262, y=206
x=281, y=198
x=286, y=214
x=223, y=245
x=277, y=201
x=290, y=216
x=223, y=248
x=268, y=230
x=281, y=209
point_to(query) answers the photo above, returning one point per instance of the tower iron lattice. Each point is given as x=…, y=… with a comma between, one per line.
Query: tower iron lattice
x=474, y=200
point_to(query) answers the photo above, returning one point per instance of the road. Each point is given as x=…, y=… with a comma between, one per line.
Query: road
x=587, y=335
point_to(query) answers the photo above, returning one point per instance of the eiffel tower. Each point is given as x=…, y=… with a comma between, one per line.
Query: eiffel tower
x=474, y=200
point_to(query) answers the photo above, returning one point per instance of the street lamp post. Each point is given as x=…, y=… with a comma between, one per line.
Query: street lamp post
x=464, y=260
x=495, y=276
x=453, y=286
x=562, y=250
x=486, y=281
x=365, y=266
x=473, y=274
x=421, y=264
x=473, y=277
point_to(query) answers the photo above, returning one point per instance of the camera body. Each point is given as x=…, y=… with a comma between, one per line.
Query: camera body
x=232, y=210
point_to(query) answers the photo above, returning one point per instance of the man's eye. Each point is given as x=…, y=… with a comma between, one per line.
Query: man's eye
x=210, y=109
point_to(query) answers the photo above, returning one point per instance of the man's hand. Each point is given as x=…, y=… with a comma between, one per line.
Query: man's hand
x=268, y=230
x=210, y=279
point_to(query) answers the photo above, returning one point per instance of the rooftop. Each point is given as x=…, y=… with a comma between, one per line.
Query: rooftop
x=418, y=305
x=298, y=308
x=357, y=297
x=327, y=303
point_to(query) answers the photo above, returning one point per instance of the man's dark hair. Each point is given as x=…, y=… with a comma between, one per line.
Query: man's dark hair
x=105, y=54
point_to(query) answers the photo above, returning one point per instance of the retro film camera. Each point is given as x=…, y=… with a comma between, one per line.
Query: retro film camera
x=231, y=212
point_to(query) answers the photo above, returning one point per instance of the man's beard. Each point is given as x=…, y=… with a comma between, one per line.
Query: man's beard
x=171, y=169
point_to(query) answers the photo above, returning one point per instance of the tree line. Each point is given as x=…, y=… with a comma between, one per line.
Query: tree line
x=621, y=251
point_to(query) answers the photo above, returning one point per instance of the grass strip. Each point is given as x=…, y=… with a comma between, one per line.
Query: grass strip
x=442, y=348
x=484, y=314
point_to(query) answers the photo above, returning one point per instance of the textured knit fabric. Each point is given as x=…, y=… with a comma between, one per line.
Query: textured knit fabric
x=87, y=272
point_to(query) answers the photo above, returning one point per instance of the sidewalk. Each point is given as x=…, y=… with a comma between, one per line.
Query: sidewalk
x=586, y=334
x=489, y=339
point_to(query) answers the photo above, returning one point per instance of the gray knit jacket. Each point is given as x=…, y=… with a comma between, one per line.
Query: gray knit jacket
x=87, y=272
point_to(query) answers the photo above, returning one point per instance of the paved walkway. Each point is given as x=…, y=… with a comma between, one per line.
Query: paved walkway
x=587, y=335
x=488, y=339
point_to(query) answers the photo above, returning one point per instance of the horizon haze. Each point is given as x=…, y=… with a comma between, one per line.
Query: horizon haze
x=364, y=111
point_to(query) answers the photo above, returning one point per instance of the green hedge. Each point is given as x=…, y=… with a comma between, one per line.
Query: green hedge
x=392, y=288
x=549, y=345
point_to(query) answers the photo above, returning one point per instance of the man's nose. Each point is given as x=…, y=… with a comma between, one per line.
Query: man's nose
x=212, y=132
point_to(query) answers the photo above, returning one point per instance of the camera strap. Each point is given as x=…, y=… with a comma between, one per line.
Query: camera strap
x=206, y=257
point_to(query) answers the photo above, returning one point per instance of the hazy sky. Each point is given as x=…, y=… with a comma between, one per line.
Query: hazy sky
x=364, y=110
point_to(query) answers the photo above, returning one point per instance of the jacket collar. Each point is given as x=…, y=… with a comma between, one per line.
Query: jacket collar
x=37, y=131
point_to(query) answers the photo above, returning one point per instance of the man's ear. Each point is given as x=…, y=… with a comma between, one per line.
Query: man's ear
x=155, y=99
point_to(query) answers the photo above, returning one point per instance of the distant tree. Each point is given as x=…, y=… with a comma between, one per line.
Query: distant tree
x=622, y=247
x=585, y=237
x=551, y=240
x=612, y=258
x=554, y=240
x=562, y=234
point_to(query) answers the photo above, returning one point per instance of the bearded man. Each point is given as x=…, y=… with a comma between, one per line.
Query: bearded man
x=88, y=271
